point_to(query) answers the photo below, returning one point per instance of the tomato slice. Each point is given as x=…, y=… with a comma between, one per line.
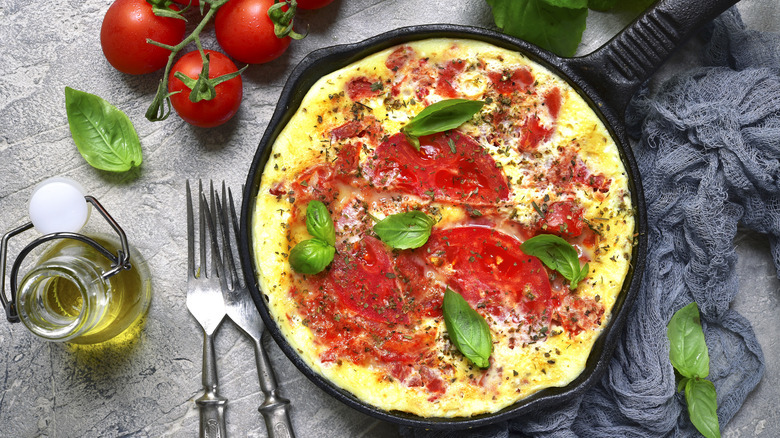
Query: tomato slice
x=367, y=126
x=444, y=85
x=563, y=218
x=532, y=134
x=515, y=81
x=449, y=166
x=363, y=88
x=406, y=347
x=490, y=271
x=553, y=101
x=400, y=57
x=364, y=282
x=569, y=169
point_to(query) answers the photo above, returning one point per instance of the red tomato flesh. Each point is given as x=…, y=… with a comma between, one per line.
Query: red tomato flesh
x=563, y=218
x=363, y=281
x=449, y=166
x=447, y=75
x=362, y=88
x=125, y=29
x=246, y=33
x=490, y=271
x=516, y=81
x=206, y=113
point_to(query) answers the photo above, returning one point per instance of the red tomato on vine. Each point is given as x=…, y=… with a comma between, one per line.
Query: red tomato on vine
x=246, y=32
x=228, y=94
x=125, y=29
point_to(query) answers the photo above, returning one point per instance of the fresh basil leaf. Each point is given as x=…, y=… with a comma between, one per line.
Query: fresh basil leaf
x=311, y=256
x=681, y=384
x=319, y=222
x=687, y=349
x=702, y=402
x=103, y=134
x=468, y=330
x=558, y=254
x=555, y=25
x=406, y=230
x=439, y=117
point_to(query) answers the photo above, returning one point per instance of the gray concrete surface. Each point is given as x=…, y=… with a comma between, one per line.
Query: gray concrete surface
x=147, y=387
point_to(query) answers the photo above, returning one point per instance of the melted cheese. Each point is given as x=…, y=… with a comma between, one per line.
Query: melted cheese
x=521, y=363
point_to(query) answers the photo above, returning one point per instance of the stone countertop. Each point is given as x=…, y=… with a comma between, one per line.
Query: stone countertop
x=147, y=387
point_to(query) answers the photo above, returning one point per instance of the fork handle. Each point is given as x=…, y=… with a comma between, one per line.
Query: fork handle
x=211, y=405
x=275, y=408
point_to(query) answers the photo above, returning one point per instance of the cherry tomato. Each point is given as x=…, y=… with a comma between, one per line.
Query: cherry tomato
x=246, y=33
x=313, y=4
x=127, y=25
x=206, y=113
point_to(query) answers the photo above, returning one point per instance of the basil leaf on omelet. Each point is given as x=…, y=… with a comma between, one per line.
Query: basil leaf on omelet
x=439, y=117
x=467, y=329
x=557, y=254
x=311, y=256
x=319, y=223
x=407, y=230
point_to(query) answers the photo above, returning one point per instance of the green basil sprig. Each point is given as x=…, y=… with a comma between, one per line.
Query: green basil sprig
x=468, y=330
x=689, y=355
x=406, y=230
x=319, y=223
x=687, y=350
x=558, y=254
x=313, y=255
x=439, y=117
x=103, y=134
x=555, y=25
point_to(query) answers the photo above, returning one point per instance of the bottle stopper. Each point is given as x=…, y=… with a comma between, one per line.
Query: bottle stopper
x=58, y=205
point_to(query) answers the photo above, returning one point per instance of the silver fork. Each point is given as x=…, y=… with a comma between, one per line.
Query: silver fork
x=242, y=311
x=205, y=303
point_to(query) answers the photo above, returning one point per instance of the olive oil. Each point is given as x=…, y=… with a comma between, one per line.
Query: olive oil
x=65, y=297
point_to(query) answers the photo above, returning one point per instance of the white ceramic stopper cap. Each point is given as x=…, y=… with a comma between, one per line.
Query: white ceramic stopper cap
x=57, y=205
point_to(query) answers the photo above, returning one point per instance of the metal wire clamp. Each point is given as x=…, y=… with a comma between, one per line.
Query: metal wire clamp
x=119, y=262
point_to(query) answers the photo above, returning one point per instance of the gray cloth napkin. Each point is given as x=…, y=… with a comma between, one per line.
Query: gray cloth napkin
x=709, y=158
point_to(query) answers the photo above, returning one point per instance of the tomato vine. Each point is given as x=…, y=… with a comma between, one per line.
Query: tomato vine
x=160, y=107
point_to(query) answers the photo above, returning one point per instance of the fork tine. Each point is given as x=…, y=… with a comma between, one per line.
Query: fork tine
x=202, y=209
x=225, y=271
x=208, y=217
x=229, y=261
x=234, y=221
x=190, y=235
x=213, y=231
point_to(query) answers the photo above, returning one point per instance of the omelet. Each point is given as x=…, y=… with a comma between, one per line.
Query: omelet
x=535, y=159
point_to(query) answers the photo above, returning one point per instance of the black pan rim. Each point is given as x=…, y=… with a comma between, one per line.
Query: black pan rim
x=326, y=60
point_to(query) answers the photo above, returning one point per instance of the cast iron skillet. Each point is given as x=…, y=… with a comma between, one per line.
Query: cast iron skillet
x=606, y=78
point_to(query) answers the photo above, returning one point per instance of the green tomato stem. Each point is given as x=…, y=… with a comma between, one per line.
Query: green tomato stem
x=161, y=105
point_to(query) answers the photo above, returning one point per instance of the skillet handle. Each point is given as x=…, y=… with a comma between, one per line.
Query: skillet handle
x=618, y=68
